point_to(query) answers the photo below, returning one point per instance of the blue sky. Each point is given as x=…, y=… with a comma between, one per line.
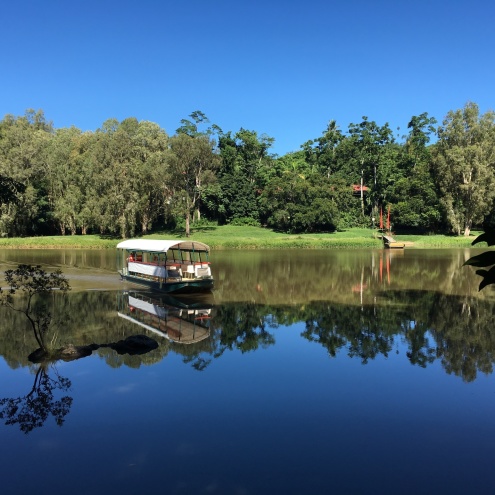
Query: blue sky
x=284, y=68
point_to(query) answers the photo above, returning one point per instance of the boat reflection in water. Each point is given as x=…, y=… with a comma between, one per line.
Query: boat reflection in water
x=182, y=320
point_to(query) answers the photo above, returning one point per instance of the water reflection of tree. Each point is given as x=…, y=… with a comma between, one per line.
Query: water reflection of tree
x=453, y=330
x=34, y=283
x=87, y=317
x=116, y=360
x=420, y=352
x=456, y=330
x=361, y=330
x=243, y=327
x=234, y=327
x=463, y=333
x=33, y=409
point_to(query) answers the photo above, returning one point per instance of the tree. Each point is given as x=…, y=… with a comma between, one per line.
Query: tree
x=415, y=202
x=152, y=154
x=296, y=204
x=246, y=167
x=191, y=168
x=33, y=281
x=412, y=190
x=368, y=141
x=128, y=163
x=252, y=150
x=191, y=128
x=65, y=191
x=23, y=158
x=9, y=190
x=421, y=127
x=121, y=198
x=464, y=163
x=320, y=153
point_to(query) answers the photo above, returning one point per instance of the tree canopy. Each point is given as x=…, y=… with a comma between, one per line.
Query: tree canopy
x=130, y=177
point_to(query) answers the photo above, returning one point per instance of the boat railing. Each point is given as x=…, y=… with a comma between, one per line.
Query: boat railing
x=170, y=269
x=147, y=269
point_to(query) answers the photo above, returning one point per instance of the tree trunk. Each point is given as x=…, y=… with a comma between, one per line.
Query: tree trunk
x=362, y=194
x=144, y=223
x=37, y=335
x=123, y=226
x=188, y=223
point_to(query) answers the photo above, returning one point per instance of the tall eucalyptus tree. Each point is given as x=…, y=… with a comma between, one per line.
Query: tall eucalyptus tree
x=151, y=145
x=130, y=160
x=464, y=165
x=65, y=191
x=192, y=167
x=23, y=146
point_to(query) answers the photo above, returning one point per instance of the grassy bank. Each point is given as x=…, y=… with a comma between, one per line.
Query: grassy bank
x=232, y=237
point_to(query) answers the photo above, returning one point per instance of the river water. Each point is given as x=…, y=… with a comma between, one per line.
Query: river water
x=305, y=371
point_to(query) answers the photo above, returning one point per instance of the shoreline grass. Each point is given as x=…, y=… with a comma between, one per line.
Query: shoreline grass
x=247, y=237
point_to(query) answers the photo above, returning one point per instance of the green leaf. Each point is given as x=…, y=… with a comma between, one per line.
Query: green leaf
x=488, y=237
x=488, y=277
x=484, y=259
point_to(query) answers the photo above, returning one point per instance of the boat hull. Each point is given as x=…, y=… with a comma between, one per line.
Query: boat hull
x=177, y=287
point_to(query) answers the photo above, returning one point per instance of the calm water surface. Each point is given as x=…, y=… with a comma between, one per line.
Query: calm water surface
x=313, y=372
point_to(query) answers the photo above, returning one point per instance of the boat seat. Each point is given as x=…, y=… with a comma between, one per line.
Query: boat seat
x=173, y=271
x=202, y=272
x=188, y=271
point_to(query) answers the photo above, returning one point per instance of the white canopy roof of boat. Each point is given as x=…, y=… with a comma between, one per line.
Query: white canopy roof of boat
x=161, y=246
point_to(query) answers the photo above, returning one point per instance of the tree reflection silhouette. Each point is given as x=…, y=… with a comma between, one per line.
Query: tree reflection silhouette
x=426, y=327
x=237, y=326
x=33, y=409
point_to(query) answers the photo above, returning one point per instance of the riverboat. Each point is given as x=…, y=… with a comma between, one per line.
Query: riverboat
x=180, y=321
x=178, y=266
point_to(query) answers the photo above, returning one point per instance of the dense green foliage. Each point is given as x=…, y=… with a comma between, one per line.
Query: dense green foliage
x=130, y=178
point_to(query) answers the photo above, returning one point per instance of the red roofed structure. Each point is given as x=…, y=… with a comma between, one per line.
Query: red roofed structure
x=356, y=189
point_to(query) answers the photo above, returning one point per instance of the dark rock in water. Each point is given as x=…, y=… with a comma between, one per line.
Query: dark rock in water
x=38, y=356
x=71, y=352
x=134, y=345
x=68, y=353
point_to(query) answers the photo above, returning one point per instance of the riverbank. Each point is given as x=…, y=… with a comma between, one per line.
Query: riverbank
x=234, y=237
